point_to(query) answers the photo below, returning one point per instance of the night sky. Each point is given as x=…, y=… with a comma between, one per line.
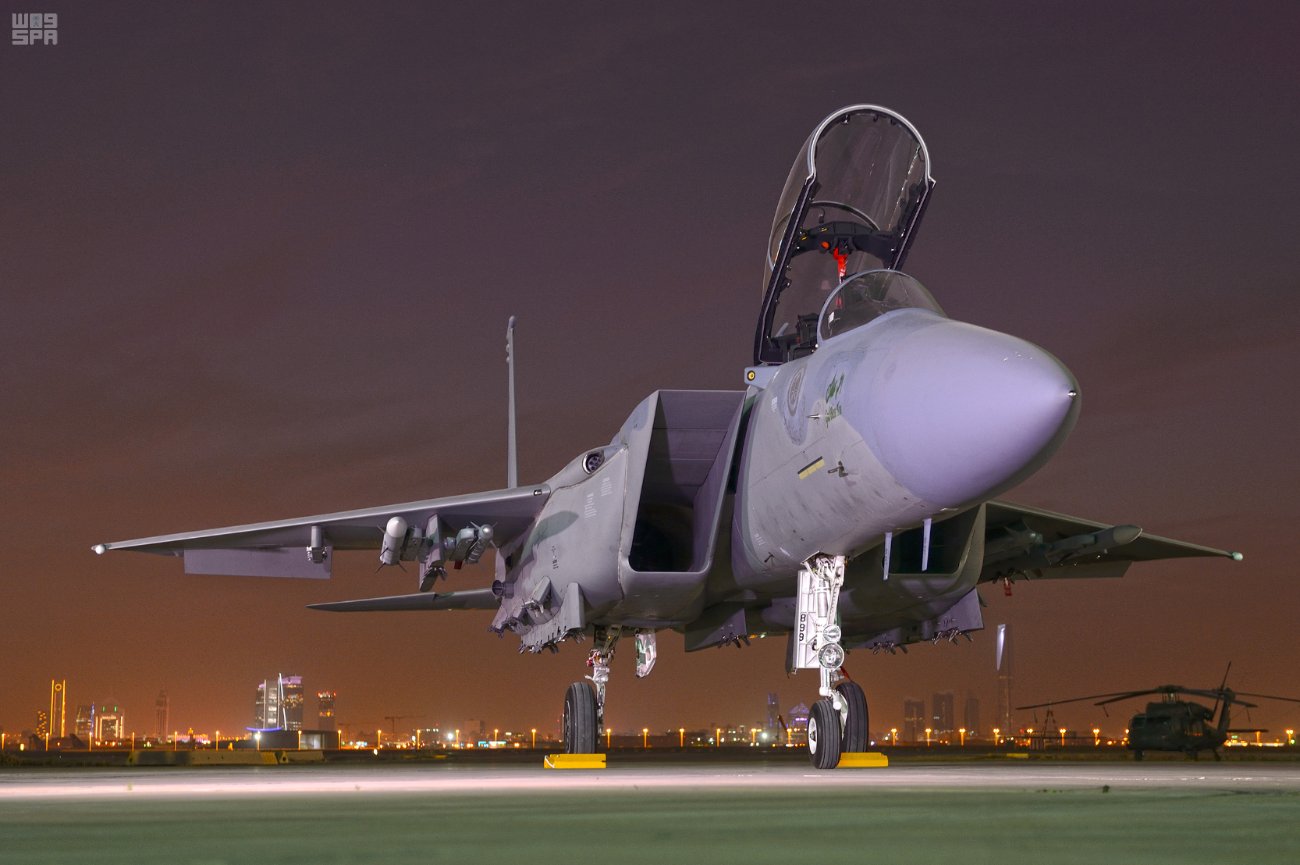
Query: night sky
x=256, y=262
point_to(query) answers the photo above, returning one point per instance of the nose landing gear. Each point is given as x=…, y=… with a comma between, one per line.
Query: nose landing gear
x=837, y=722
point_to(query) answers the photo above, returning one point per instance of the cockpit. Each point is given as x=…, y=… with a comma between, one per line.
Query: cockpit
x=850, y=208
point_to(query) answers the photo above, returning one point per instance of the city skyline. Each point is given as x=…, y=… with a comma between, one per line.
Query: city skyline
x=249, y=275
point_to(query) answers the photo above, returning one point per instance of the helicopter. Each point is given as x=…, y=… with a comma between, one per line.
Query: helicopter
x=1174, y=724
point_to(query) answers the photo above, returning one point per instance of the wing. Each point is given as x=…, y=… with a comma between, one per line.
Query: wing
x=301, y=547
x=1022, y=541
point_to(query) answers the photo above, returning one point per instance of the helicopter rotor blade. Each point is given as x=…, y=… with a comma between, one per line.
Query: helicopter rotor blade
x=1075, y=700
x=1266, y=696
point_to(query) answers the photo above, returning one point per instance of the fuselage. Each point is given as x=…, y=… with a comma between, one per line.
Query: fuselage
x=909, y=417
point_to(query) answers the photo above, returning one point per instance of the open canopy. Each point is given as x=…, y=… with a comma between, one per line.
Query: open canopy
x=852, y=203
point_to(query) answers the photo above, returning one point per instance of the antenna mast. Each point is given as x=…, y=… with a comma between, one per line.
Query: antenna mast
x=512, y=446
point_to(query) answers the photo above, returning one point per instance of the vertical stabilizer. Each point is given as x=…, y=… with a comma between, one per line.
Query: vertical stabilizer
x=512, y=445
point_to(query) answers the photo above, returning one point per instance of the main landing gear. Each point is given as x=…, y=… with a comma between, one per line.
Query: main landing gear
x=837, y=722
x=584, y=704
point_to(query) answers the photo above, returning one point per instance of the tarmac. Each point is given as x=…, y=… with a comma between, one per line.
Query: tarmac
x=758, y=811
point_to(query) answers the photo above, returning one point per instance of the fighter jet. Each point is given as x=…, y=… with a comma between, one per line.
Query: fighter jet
x=846, y=497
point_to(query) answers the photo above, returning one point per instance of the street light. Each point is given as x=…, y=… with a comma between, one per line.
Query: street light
x=1290, y=736
x=961, y=731
x=534, y=738
x=893, y=735
x=1062, y=732
x=645, y=738
x=1096, y=736
x=717, y=737
x=997, y=735
x=681, y=737
x=927, y=736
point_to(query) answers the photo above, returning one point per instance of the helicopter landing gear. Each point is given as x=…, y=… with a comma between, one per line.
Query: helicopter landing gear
x=584, y=705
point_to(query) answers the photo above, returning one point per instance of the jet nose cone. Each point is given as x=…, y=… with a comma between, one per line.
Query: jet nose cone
x=957, y=413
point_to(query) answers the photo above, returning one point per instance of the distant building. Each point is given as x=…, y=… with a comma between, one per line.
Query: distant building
x=42, y=724
x=84, y=725
x=798, y=724
x=162, y=708
x=58, y=718
x=291, y=702
x=972, y=715
x=279, y=704
x=773, y=712
x=914, y=720
x=941, y=718
x=110, y=723
x=266, y=711
x=325, y=701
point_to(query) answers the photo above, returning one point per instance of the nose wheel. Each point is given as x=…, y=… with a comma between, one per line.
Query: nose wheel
x=824, y=741
x=856, y=726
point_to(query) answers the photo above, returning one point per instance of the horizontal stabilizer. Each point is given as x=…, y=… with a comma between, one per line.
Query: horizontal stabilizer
x=470, y=599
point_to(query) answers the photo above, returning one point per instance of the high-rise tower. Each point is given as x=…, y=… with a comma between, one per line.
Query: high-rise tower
x=326, y=702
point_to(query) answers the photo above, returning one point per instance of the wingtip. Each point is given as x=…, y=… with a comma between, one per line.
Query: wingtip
x=1236, y=556
x=99, y=549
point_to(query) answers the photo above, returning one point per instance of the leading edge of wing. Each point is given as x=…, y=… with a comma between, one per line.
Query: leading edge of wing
x=469, y=599
x=518, y=505
x=1144, y=548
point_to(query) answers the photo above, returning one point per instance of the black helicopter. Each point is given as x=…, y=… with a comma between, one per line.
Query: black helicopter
x=1173, y=724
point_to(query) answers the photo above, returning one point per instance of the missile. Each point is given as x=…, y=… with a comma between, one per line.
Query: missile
x=1065, y=550
x=1096, y=543
x=394, y=538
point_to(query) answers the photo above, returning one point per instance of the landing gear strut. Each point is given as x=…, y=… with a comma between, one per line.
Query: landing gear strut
x=838, y=721
x=584, y=704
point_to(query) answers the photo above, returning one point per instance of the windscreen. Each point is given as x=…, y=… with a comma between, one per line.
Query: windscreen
x=865, y=297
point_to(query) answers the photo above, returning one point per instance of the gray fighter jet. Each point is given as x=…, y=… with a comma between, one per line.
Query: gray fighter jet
x=845, y=497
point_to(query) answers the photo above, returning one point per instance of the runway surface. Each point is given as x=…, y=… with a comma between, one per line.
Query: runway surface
x=991, y=811
x=212, y=782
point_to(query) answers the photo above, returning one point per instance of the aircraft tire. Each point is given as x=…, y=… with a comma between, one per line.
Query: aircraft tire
x=824, y=734
x=856, y=728
x=580, y=732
